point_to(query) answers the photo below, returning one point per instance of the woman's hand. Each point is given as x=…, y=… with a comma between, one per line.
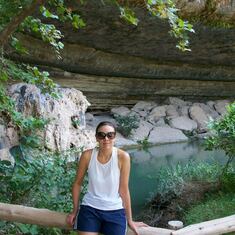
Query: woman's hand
x=135, y=225
x=71, y=218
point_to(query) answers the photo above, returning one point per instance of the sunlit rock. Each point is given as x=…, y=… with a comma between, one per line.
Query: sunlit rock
x=66, y=128
x=183, y=123
x=161, y=135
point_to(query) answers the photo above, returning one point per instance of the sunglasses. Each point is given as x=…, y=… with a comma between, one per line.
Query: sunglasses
x=101, y=135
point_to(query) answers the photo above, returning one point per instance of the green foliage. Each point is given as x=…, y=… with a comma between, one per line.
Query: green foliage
x=125, y=124
x=47, y=32
x=76, y=122
x=9, y=70
x=214, y=206
x=64, y=13
x=9, y=9
x=179, y=28
x=27, y=126
x=57, y=10
x=128, y=15
x=15, y=43
x=172, y=179
x=18, y=228
x=163, y=9
x=41, y=181
x=223, y=135
x=145, y=144
x=228, y=181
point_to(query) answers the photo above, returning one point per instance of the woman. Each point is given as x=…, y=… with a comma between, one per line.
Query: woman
x=106, y=207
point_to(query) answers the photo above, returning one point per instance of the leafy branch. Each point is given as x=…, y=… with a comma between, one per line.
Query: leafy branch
x=223, y=135
x=17, y=16
x=163, y=9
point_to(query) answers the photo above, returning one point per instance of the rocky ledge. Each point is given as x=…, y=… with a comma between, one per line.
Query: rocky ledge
x=71, y=126
x=174, y=120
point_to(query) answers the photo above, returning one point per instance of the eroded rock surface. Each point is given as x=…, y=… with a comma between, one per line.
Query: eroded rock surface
x=67, y=124
x=114, y=63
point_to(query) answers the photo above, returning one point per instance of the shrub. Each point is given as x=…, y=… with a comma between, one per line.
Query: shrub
x=223, y=135
x=41, y=181
x=125, y=124
x=144, y=144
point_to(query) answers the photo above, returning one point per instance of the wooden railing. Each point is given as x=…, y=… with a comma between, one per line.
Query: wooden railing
x=47, y=218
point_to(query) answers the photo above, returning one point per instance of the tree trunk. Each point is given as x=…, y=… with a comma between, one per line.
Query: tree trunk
x=17, y=20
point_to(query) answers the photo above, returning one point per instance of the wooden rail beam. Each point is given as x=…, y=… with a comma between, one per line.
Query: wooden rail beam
x=212, y=227
x=47, y=218
x=30, y=215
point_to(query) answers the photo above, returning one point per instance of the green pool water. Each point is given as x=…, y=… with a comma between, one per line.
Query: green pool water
x=146, y=164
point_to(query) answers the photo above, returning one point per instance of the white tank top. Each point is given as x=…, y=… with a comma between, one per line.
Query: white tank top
x=103, y=183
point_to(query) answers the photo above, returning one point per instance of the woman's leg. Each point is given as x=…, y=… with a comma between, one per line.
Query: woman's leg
x=87, y=221
x=114, y=222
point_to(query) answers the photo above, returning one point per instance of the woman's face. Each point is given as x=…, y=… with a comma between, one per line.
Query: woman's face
x=105, y=136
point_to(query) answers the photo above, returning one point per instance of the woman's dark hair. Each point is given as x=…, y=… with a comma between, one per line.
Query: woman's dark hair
x=105, y=123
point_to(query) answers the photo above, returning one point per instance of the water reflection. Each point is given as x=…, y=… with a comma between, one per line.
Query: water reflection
x=145, y=165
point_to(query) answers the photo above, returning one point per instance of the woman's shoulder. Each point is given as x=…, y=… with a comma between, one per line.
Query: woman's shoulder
x=87, y=151
x=86, y=155
x=123, y=155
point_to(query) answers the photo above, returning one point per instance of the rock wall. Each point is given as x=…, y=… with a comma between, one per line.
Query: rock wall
x=66, y=128
x=114, y=63
x=173, y=120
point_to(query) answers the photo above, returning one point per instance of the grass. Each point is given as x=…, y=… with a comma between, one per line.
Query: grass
x=213, y=207
x=217, y=205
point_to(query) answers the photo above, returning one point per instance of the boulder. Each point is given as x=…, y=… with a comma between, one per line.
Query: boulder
x=5, y=155
x=2, y=136
x=161, y=135
x=172, y=111
x=210, y=111
x=142, y=131
x=211, y=104
x=66, y=128
x=122, y=141
x=161, y=122
x=143, y=106
x=199, y=116
x=191, y=6
x=140, y=114
x=11, y=136
x=176, y=101
x=89, y=117
x=220, y=106
x=183, y=123
x=184, y=111
x=156, y=113
x=121, y=110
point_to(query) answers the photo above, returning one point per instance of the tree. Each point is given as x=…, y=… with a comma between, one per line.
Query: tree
x=16, y=16
x=223, y=135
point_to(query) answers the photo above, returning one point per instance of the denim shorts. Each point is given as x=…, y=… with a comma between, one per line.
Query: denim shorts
x=90, y=219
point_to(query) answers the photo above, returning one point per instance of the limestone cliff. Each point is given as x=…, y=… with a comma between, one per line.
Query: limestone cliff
x=114, y=63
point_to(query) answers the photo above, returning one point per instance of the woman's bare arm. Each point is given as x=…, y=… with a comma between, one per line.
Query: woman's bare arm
x=76, y=189
x=124, y=164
